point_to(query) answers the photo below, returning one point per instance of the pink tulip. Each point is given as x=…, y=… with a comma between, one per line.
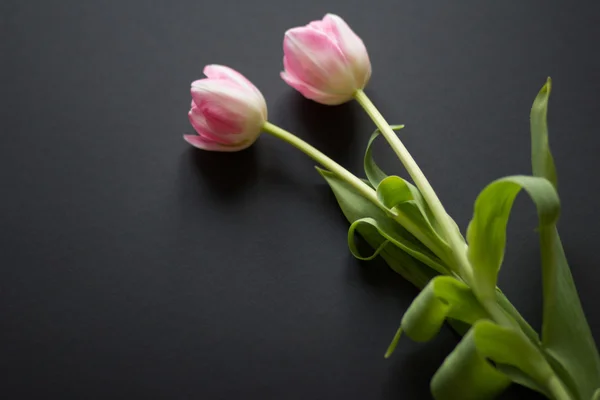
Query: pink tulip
x=228, y=111
x=325, y=61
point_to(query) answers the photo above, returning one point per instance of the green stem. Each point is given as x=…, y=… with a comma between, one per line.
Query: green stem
x=449, y=232
x=325, y=161
x=361, y=187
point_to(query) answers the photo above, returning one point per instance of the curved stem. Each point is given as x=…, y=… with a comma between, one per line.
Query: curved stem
x=325, y=161
x=361, y=187
x=449, y=232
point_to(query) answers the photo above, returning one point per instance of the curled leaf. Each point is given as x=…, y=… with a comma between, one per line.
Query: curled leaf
x=354, y=207
x=398, y=236
x=486, y=233
x=372, y=170
x=443, y=297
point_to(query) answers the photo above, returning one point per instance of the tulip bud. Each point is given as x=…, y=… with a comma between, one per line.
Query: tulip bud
x=228, y=111
x=325, y=61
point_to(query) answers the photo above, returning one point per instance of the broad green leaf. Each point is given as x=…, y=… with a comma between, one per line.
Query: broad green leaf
x=410, y=269
x=467, y=374
x=520, y=378
x=510, y=309
x=596, y=395
x=355, y=207
x=444, y=297
x=566, y=335
x=541, y=158
x=372, y=170
x=486, y=233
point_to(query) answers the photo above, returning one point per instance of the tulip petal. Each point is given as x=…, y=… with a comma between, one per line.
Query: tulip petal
x=316, y=59
x=215, y=71
x=236, y=99
x=201, y=127
x=221, y=119
x=351, y=45
x=208, y=144
x=312, y=93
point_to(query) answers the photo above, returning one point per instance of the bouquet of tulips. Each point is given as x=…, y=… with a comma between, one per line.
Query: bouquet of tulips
x=406, y=224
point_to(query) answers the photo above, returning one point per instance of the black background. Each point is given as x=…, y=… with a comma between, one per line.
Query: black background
x=134, y=266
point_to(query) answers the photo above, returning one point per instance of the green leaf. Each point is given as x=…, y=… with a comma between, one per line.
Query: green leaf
x=374, y=173
x=510, y=309
x=410, y=269
x=444, y=297
x=467, y=374
x=541, y=158
x=375, y=176
x=566, y=335
x=596, y=395
x=519, y=377
x=486, y=233
x=393, y=191
x=395, y=234
x=397, y=194
x=355, y=207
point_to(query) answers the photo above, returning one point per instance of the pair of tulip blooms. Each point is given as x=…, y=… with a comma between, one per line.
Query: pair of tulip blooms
x=328, y=63
x=325, y=61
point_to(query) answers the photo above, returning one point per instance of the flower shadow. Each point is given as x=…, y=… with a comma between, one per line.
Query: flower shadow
x=226, y=175
x=331, y=129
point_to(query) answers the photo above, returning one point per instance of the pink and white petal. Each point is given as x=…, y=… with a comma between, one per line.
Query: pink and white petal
x=319, y=57
x=226, y=91
x=312, y=93
x=351, y=45
x=222, y=118
x=200, y=126
x=207, y=144
x=226, y=94
x=298, y=64
x=216, y=87
x=321, y=26
x=215, y=71
x=348, y=41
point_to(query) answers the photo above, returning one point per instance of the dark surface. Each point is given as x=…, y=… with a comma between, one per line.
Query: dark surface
x=133, y=266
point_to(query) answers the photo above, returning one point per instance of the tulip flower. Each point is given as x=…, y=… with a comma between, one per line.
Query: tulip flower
x=228, y=111
x=325, y=61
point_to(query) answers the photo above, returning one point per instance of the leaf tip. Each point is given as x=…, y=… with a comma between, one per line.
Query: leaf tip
x=548, y=86
x=321, y=171
x=393, y=344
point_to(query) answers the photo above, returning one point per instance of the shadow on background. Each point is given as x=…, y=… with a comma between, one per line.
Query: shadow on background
x=226, y=175
x=331, y=129
x=412, y=371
